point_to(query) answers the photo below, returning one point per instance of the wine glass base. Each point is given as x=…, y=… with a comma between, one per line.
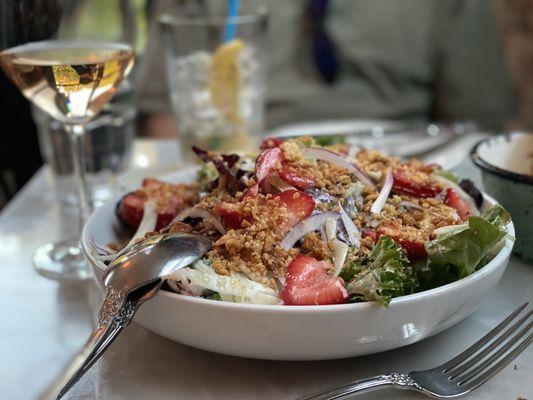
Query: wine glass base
x=63, y=261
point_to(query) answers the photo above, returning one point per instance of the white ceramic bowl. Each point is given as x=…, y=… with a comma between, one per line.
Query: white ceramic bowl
x=506, y=163
x=301, y=332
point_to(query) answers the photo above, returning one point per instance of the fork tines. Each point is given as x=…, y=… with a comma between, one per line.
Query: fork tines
x=493, y=351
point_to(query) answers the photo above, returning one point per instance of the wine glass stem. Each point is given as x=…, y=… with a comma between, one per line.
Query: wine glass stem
x=76, y=133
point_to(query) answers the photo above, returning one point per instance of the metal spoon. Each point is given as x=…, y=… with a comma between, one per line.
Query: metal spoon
x=132, y=278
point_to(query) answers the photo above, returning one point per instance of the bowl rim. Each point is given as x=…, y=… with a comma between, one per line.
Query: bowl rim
x=493, y=265
x=493, y=169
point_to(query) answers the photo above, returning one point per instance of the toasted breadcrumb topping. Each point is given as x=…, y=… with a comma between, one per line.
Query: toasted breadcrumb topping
x=253, y=246
x=254, y=249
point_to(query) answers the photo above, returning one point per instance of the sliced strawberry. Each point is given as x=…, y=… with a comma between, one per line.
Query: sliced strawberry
x=292, y=178
x=152, y=183
x=131, y=208
x=308, y=283
x=267, y=160
x=299, y=205
x=455, y=201
x=230, y=216
x=414, y=250
x=267, y=184
x=166, y=211
x=269, y=143
x=370, y=233
x=170, y=200
x=405, y=182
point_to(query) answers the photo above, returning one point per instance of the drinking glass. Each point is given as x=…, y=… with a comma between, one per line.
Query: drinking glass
x=68, y=60
x=215, y=77
x=109, y=142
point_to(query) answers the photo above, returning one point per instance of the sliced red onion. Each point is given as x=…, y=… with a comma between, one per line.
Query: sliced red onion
x=383, y=195
x=409, y=205
x=103, y=253
x=449, y=228
x=148, y=222
x=338, y=160
x=330, y=227
x=354, y=236
x=354, y=150
x=101, y=250
x=340, y=250
x=313, y=223
x=323, y=236
x=319, y=196
x=464, y=196
x=280, y=184
x=197, y=212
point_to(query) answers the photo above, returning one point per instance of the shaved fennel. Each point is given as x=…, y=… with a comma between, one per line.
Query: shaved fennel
x=237, y=285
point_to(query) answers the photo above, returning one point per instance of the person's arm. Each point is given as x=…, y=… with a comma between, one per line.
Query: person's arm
x=517, y=27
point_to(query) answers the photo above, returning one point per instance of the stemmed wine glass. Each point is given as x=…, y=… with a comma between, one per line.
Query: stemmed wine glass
x=70, y=75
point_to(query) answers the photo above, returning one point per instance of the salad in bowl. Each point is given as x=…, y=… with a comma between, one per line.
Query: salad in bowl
x=313, y=223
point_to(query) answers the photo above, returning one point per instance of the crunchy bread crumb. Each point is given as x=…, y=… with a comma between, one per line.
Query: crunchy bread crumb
x=254, y=248
x=313, y=246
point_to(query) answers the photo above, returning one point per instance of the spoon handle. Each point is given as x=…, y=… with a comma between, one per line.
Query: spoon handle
x=115, y=314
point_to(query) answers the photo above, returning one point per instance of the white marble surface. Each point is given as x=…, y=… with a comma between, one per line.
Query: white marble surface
x=43, y=323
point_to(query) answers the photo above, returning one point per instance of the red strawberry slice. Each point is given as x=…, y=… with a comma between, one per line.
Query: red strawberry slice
x=299, y=205
x=152, y=183
x=370, y=233
x=131, y=209
x=407, y=184
x=229, y=214
x=455, y=201
x=292, y=178
x=414, y=250
x=308, y=283
x=267, y=160
x=169, y=204
x=269, y=143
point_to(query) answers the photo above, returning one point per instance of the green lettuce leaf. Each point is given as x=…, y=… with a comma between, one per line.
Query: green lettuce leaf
x=447, y=174
x=206, y=174
x=498, y=216
x=330, y=140
x=460, y=251
x=384, y=274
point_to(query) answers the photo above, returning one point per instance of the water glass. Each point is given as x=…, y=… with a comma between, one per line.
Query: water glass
x=108, y=147
x=215, y=77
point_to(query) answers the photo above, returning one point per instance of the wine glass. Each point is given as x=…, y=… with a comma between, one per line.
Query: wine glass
x=69, y=67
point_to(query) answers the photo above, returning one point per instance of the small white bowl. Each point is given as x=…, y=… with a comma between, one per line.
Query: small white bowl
x=506, y=163
x=301, y=332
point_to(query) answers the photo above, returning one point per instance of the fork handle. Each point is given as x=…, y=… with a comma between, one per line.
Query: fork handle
x=403, y=381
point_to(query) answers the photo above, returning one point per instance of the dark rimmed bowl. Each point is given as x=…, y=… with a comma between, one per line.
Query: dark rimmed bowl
x=506, y=163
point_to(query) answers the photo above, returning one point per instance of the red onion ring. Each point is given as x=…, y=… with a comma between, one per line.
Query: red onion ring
x=197, y=212
x=383, y=195
x=338, y=160
x=313, y=223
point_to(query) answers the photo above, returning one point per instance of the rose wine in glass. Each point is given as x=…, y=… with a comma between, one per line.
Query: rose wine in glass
x=71, y=81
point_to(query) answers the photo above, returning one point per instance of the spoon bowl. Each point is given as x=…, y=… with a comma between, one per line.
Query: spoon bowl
x=153, y=258
x=133, y=277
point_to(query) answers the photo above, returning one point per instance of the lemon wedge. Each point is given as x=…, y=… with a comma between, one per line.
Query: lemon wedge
x=225, y=79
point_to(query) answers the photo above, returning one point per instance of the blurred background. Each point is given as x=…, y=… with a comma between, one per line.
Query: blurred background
x=407, y=61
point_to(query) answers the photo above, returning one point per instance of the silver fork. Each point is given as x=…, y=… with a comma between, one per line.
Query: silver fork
x=460, y=375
